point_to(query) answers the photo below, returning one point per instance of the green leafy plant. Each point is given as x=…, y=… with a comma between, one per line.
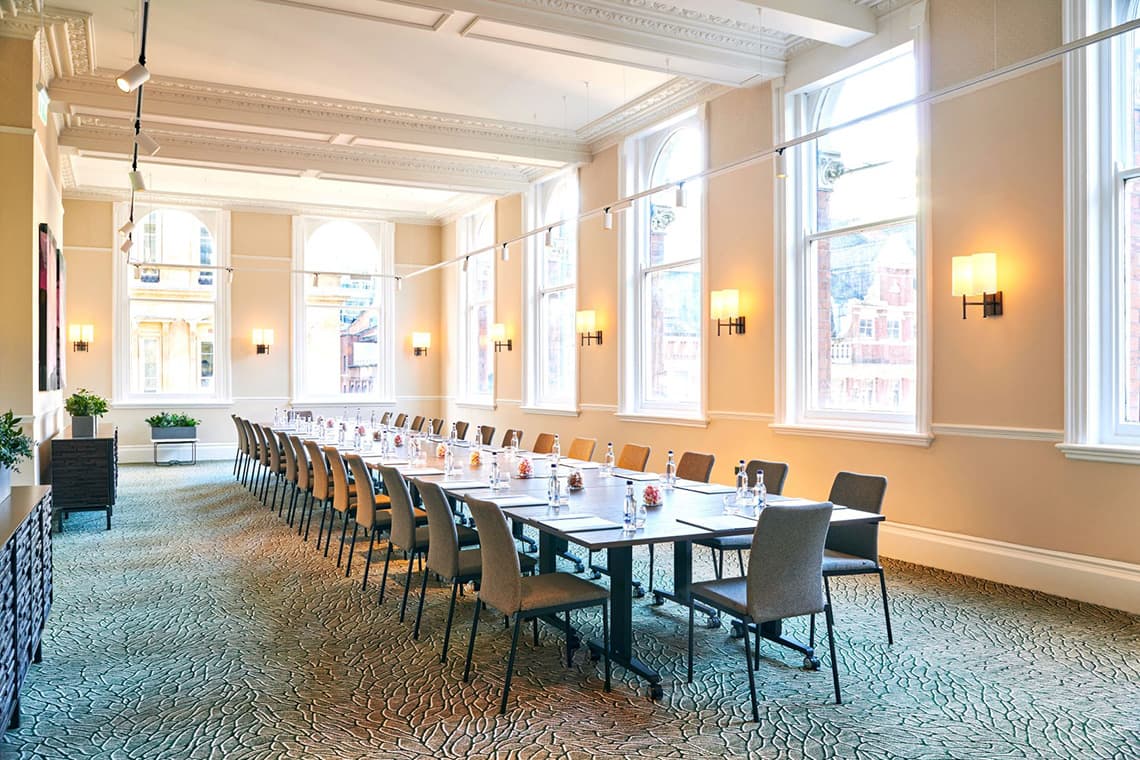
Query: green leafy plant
x=172, y=419
x=84, y=403
x=15, y=446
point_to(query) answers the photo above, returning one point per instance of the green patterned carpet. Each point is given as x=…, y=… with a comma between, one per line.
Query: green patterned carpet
x=200, y=627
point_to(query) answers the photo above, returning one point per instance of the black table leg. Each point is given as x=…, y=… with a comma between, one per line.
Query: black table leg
x=682, y=580
x=621, y=620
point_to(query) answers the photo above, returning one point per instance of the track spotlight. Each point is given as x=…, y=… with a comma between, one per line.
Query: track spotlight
x=608, y=219
x=127, y=245
x=399, y=283
x=549, y=237
x=680, y=200
x=316, y=279
x=464, y=263
x=229, y=275
x=137, y=183
x=504, y=255
x=127, y=228
x=147, y=144
x=133, y=78
x=781, y=165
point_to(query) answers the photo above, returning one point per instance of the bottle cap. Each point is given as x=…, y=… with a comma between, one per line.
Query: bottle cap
x=629, y=482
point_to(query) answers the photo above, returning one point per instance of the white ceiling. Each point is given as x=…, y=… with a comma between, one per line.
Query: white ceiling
x=409, y=109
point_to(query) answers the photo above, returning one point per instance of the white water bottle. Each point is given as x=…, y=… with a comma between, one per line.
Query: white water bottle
x=741, y=484
x=670, y=472
x=454, y=435
x=629, y=512
x=608, y=462
x=556, y=450
x=761, y=492
x=448, y=460
x=552, y=487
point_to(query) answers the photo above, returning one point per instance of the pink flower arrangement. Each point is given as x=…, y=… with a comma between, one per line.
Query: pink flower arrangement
x=524, y=468
x=652, y=496
x=331, y=424
x=441, y=450
x=360, y=429
x=398, y=440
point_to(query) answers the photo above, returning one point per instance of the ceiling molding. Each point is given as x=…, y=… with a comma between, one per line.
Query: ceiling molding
x=248, y=205
x=442, y=15
x=108, y=137
x=71, y=37
x=656, y=105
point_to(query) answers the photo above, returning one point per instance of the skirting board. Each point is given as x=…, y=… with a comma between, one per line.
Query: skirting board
x=1073, y=576
x=144, y=452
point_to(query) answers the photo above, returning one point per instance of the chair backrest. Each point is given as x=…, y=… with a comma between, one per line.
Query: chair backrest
x=775, y=473
x=633, y=457
x=290, y=457
x=443, y=538
x=321, y=483
x=385, y=417
x=271, y=447
x=785, y=567
x=418, y=423
x=486, y=433
x=507, y=437
x=582, y=448
x=401, y=418
x=857, y=491
x=461, y=430
x=304, y=480
x=302, y=414
x=437, y=426
x=339, y=478
x=242, y=445
x=365, y=498
x=403, y=532
x=501, y=586
x=262, y=444
x=544, y=443
x=253, y=450
x=696, y=466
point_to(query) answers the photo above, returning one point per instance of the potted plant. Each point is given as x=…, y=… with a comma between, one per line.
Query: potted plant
x=15, y=447
x=84, y=407
x=168, y=425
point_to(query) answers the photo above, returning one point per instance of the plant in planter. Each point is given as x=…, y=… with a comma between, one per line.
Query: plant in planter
x=15, y=447
x=84, y=407
x=167, y=425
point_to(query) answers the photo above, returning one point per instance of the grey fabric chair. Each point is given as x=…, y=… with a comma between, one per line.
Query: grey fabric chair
x=445, y=558
x=854, y=549
x=692, y=466
x=343, y=500
x=241, y=444
x=543, y=444
x=582, y=448
x=304, y=490
x=775, y=473
x=405, y=534
x=505, y=589
x=373, y=514
x=321, y=488
x=784, y=581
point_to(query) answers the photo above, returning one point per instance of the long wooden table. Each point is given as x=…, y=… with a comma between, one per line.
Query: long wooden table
x=602, y=497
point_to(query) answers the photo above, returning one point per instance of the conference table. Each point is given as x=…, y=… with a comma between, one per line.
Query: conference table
x=592, y=519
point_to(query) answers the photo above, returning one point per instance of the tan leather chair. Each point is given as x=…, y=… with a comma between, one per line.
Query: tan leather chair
x=401, y=418
x=343, y=500
x=582, y=448
x=486, y=434
x=304, y=490
x=241, y=443
x=633, y=457
x=461, y=430
x=418, y=423
x=321, y=489
x=692, y=466
x=543, y=444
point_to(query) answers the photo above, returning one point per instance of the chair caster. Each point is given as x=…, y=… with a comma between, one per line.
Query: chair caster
x=595, y=575
x=638, y=590
x=811, y=663
x=712, y=621
x=595, y=655
x=737, y=631
x=658, y=600
x=656, y=692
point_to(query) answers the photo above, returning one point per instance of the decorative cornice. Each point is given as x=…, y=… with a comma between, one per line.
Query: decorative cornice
x=660, y=103
x=77, y=56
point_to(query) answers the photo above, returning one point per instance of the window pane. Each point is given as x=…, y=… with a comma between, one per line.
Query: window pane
x=480, y=357
x=342, y=351
x=1131, y=400
x=556, y=347
x=673, y=233
x=170, y=236
x=672, y=335
x=863, y=344
x=868, y=171
x=172, y=347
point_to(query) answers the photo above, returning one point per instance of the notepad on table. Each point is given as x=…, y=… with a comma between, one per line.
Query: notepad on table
x=462, y=485
x=792, y=501
x=579, y=464
x=632, y=475
x=518, y=500
x=412, y=472
x=706, y=487
x=719, y=522
x=579, y=524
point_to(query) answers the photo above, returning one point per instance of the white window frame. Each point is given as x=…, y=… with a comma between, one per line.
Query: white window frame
x=638, y=156
x=1095, y=222
x=536, y=201
x=815, y=70
x=217, y=221
x=384, y=236
x=466, y=230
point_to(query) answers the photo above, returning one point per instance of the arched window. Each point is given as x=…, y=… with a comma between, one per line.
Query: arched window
x=343, y=335
x=855, y=305
x=551, y=277
x=664, y=254
x=172, y=318
x=477, y=312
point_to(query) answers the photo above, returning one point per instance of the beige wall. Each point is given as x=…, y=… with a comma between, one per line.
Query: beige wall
x=259, y=299
x=996, y=184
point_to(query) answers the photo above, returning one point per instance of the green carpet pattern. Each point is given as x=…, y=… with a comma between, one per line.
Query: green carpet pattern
x=201, y=627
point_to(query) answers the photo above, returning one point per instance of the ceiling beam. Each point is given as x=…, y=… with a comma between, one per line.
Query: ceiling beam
x=836, y=22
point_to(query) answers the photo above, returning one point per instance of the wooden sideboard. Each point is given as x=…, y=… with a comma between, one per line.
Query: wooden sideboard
x=85, y=472
x=25, y=589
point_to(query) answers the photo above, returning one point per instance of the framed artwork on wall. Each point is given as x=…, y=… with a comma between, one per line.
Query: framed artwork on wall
x=50, y=312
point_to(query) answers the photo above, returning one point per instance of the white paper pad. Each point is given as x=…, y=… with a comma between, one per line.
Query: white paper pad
x=579, y=524
x=631, y=475
x=580, y=464
x=417, y=471
x=706, y=487
x=517, y=500
x=720, y=522
x=462, y=485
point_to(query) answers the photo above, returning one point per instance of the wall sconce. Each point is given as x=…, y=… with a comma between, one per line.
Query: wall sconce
x=587, y=324
x=262, y=340
x=499, y=335
x=725, y=308
x=81, y=336
x=421, y=342
x=977, y=275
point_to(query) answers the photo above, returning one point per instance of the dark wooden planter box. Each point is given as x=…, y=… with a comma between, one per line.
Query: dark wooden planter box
x=167, y=433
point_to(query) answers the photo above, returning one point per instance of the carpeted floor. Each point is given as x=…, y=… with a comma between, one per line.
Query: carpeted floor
x=200, y=627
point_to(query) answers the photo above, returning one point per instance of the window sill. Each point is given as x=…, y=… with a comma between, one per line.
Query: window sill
x=342, y=404
x=680, y=420
x=489, y=406
x=554, y=410
x=1090, y=452
x=870, y=435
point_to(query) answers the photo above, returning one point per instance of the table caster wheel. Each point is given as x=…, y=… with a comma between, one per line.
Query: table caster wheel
x=638, y=592
x=811, y=663
x=658, y=600
x=595, y=655
x=712, y=622
x=737, y=631
x=595, y=576
x=656, y=692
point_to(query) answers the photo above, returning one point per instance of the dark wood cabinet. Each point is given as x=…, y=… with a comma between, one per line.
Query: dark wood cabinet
x=85, y=472
x=25, y=589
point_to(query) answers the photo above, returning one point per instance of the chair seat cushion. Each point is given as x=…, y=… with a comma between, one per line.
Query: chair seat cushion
x=837, y=563
x=728, y=594
x=467, y=537
x=382, y=519
x=558, y=589
x=727, y=543
x=471, y=563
